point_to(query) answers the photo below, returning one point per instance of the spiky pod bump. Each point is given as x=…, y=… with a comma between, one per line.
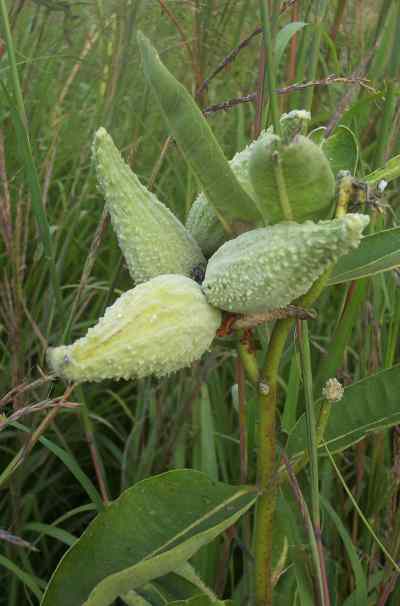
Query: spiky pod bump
x=270, y=267
x=307, y=176
x=152, y=239
x=154, y=329
x=202, y=221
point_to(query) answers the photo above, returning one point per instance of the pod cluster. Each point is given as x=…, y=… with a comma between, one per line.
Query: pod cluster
x=170, y=318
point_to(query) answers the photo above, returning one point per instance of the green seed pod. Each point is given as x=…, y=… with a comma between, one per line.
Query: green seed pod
x=152, y=239
x=270, y=267
x=202, y=221
x=154, y=329
x=296, y=176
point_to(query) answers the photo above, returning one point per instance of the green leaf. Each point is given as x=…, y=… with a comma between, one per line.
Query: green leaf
x=200, y=601
x=377, y=253
x=51, y=531
x=341, y=148
x=150, y=530
x=164, y=590
x=361, y=591
x=26, y=578
x=369, y=405
x=284, y=36
x=198, y=144
x=390, y=171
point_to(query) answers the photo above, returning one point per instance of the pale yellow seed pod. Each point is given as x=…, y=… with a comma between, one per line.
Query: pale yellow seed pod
x=154, y=329
x=270, y=267
x=152, y=239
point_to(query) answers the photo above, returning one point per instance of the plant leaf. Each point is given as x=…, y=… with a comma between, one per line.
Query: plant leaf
x=341, y=148
x=390, y=171
x=164, y=590
x=27, y=579
x=284, y=36
x=198, y=144
x=150, y=530
x=369, y=405
x=200, y=601
x=361, y=591
x=377, y=253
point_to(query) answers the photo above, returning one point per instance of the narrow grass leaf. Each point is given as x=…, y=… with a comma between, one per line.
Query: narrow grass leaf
x=72, y=464
x=51, y=531
x=26, y=578
x=19, y=119
x=361, y=591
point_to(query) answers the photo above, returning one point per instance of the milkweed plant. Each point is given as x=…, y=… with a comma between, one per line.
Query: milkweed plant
x=260, y=243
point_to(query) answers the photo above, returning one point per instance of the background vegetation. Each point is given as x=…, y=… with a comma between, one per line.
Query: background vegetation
x=63, y=452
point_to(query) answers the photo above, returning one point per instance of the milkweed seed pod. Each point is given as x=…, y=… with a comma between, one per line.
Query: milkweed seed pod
x=202, y=221
x=152, y=239
x=156, y=328
x=304, y=172
x=270, y=267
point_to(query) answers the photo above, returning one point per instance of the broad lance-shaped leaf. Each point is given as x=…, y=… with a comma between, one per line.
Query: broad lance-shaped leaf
x=377, y=253
x=341, y=148
x=150, y=530
x=156, y=328
x=183, y=577
x=200, y=601
x=235, y=208
x=369, y=405
x=152, y=239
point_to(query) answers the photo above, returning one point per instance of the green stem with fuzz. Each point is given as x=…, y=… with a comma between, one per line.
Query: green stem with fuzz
x=266, y=461
x=267, y=469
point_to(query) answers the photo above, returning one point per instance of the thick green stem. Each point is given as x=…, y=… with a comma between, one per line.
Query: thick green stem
x=266, y=464
x=266, y=460
x=267, y=469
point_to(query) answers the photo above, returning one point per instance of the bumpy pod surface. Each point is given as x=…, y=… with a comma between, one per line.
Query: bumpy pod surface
x=305, y=173
x=154, y=329
x=202, y=221
x=270, y=267
x=152, y=239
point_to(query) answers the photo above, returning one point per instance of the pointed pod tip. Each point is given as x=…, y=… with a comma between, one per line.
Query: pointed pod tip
x=101, y=133
x=58, y=359
x=356, y=223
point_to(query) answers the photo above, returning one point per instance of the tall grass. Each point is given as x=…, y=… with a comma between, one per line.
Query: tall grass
x=66, y=69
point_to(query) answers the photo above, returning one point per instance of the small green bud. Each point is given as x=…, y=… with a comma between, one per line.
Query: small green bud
x=270, y=267
x=156, y=328
x=294, y=123
x=305, y=173
x=152, y=239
